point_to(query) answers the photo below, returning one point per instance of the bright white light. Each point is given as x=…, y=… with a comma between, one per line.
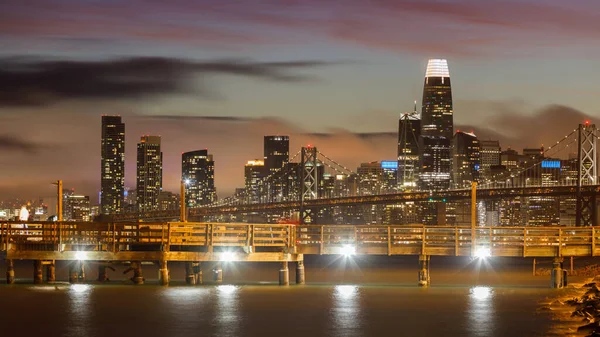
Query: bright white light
x=437, y=68
x=348, y=250
x=346, y=291
x=81, y=256
x=187, y=181
x=226, y=289
x=483, y=252
x=227, y=256
x=80, y=288
x=481, y=293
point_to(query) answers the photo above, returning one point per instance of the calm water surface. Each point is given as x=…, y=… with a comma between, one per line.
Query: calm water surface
x=270, y=310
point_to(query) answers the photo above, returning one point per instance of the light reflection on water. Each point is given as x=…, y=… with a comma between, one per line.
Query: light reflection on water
x=227, y=315
x=80, y=311
x=346, y=310
x=481, y=311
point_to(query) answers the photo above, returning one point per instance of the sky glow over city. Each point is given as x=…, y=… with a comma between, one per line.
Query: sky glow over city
x=221, y=75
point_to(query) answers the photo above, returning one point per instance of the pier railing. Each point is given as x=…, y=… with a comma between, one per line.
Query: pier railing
x=301, y=239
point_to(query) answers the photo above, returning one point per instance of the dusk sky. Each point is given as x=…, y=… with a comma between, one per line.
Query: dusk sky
x=222, y=74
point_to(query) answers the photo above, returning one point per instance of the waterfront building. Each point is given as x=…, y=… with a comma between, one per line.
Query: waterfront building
x=149, y=173
x=112, y=165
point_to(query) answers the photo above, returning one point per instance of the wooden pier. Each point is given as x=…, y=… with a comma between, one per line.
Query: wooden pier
x=135, y=242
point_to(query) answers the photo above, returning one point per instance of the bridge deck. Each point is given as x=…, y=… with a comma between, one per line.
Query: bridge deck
x=189, y=241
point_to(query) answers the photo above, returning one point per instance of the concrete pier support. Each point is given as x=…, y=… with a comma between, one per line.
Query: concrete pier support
x=10, y=272
x=51, y=272
x=197, y=268
x=559, y=274
x=38, y=274
x=163, y=274
x=300, y=273
x=424, y=279
x=218, y=274
x=137, y=278
x=284, y=274
x=102, y=277
x=76, y=272
x=190, y=278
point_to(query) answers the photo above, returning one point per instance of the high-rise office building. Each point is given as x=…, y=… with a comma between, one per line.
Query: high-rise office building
x=276, y=157
x=79, y=208
x=409, y=131
x=254, y=172
x=490, y=156
x=436, y=127
x=149, y=173
x=112, y=164
x=198, y=171
x=465, y=159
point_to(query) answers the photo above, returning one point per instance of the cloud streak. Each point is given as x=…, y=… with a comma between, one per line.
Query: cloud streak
x=459, y=27
x=16, y=144
x=41, y=82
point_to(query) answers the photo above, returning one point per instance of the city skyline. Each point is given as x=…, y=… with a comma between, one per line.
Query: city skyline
x=318, y=79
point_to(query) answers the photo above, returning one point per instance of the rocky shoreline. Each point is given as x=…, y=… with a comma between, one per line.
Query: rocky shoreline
x=577, y=311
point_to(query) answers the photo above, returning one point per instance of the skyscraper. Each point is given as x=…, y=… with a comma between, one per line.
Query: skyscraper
x=198, y=168
x=112, y=164
x=149, y=173
x=409, y=130
x=465, y=159
x=276, y=157
x=436, y=127
x=253, y=177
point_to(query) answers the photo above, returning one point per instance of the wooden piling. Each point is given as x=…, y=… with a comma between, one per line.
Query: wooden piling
x=10, y=272
x=300, y=276
x=38, y=274
x=137, y=278
x=51, y=272
x=284, y=274
x=163, y=273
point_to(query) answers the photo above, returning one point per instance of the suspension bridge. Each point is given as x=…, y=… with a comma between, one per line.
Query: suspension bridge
x=543, y=180
x=171, y=237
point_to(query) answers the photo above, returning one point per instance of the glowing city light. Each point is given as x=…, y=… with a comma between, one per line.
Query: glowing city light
x=481, y=293
x=348, y=250
x=81, y=256
x=483, y=252
x=227, y=256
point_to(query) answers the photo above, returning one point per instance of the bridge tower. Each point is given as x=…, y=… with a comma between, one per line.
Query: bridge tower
x=309, y=183
x=587, y=174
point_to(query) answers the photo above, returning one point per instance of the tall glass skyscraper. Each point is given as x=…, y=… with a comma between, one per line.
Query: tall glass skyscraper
x=149, y=173
x=112, y=165
x=198, y=168
x=276, y=157
x=436, y=127
x=409, y=130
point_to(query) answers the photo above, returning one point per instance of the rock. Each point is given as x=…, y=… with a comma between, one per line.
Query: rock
x=588, y=327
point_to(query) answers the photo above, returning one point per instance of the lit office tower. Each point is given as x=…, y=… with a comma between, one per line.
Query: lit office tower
x=277, y=155
x=490, y=156
x=436, y=127
x=112, y=165
x=465, y=159
x=149, y=173
x=409, y=129
x=198, y=171
x=253, y=177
